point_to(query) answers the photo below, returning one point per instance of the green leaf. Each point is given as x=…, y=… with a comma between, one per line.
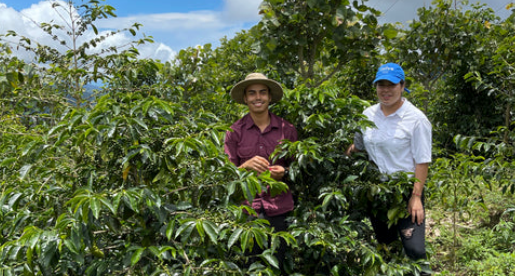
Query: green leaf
x=211, y=230
x=30, y=254
x=25, y=170
x=136, y=256
x=107, y=203
x=155, y=251
x=390, y=33
x=95, y=30
x=169, y=229
x=247, y=240
x=234, y=237
x=48, y=252
x=200, y=229
x=140, y=123
x=94, y=204
x=312, y=3
x=327, y=200
x=185, y=229
x=272, y=44
x=8, y=161
x=165, y=249
x=271, y=259
x=260, y=236
x=208, y=261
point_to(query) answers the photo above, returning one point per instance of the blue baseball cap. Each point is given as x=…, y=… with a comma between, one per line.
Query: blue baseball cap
x=391, y=72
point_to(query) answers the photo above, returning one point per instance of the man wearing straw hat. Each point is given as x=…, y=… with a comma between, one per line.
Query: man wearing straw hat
x=254, y=137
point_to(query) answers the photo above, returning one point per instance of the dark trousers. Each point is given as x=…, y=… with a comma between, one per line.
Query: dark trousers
x=279, y=224
x=412, y=235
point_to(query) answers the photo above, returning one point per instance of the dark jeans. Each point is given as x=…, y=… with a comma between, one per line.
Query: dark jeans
x=279, y=224
x=412, y=235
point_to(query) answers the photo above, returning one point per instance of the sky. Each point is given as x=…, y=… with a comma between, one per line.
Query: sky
x=178, y=24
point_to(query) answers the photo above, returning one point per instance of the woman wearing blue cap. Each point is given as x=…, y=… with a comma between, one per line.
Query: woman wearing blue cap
x=399, y=142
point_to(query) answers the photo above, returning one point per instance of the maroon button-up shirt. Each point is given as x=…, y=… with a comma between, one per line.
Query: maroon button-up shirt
x=246, y=141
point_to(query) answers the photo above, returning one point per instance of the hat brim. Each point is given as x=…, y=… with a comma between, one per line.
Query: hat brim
x=391, y=79
x=238, y=91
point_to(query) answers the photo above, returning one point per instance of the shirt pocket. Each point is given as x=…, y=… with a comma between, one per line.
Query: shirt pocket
x=246, y=152
x=401, y=139
x=375, y=136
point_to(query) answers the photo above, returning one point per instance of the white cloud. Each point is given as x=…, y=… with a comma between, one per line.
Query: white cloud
x=175, y=31
x=8, y=17
x=170, y=31
x=157, y=51
x=27, y=23
x=167, y=21
x=182, y=30
x=237, y=10
x=404, y=11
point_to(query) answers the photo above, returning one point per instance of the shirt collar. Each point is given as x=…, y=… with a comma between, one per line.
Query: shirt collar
x=399, y=112
x=274, y=121
x=403, y=109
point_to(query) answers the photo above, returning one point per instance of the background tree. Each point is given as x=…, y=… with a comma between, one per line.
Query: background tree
x=438, y=50
x=136, y=181
x=498, y=83
x=310, y=41
x=77, y=55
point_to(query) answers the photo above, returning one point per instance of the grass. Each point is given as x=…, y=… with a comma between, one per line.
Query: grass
x=483, y=242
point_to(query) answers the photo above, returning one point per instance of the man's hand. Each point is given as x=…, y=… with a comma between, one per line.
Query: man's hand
x=256, y=163
x=277, y=172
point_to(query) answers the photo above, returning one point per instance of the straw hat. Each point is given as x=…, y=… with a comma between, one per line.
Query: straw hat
x=276, y=91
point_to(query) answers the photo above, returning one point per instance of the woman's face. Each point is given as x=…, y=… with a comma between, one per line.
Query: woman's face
x=388, y=93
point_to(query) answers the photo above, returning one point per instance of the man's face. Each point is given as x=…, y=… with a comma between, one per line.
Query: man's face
x=389, y=93
x=257, y=97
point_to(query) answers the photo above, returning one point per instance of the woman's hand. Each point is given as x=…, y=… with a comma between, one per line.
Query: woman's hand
x=416, y=210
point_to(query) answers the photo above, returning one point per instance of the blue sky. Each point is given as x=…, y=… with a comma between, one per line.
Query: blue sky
x=178, y=24
x=128, y=7
x=173, y=24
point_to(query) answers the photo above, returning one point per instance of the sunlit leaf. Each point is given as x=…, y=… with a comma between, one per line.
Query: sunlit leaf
x=234, y=237
x=136, y=256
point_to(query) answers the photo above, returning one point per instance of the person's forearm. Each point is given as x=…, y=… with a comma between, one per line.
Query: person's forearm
x=351, y=149
x=421, y=171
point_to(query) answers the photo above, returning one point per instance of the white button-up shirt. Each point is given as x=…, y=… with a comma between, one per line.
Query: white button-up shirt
x=399, y=141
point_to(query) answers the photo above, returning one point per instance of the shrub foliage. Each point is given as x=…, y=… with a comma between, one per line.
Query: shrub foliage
x=131, y=178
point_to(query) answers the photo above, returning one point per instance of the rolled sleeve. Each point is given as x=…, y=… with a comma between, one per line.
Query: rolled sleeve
x=421, y=142
x=231, y=147
x=358, y=141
